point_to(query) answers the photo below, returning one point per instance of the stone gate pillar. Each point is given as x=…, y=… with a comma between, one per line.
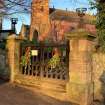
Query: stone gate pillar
x=80, y=85
x=13, y=47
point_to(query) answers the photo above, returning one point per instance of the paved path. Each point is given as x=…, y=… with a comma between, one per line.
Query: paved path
x=15, y=95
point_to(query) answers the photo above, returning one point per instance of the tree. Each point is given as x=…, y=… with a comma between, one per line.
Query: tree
x=100, y=22
x=9, y=7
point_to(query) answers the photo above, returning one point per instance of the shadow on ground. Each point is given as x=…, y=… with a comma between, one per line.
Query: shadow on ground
x=15, y=95
x=3, y=81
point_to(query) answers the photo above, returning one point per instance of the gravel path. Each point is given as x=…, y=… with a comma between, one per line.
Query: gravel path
x=15, y=95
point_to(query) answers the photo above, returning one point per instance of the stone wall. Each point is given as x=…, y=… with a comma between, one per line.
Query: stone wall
x=99, y=76
x=4, y=70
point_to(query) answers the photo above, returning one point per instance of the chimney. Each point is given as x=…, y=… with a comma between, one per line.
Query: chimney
x=13, y=24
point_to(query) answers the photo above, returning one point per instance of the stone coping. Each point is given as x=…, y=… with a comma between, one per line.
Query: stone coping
x=80, y=34
x=15, y=37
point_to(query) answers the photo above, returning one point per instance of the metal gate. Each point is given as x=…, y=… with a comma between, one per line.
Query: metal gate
x=39, y=61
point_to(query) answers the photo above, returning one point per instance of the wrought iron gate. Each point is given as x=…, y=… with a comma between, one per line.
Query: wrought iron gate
x=35, y=61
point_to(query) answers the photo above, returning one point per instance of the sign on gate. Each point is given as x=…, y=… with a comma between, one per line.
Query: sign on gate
x=34, y=52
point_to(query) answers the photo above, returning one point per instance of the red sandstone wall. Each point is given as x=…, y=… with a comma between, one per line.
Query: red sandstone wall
x=62, y=27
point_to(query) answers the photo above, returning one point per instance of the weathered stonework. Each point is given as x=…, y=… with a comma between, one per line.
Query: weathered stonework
x=80, y=86
x=39, y=17
x=99, y=76
x=13, y=47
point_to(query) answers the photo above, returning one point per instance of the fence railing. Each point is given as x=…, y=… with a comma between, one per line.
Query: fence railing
x=40, y=61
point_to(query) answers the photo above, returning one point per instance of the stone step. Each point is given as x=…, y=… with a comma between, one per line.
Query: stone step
x=60, y=95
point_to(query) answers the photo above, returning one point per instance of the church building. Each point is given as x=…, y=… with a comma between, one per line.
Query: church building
x=52, y=24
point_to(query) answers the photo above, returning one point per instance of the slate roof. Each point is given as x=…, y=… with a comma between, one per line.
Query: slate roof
x=71, y=16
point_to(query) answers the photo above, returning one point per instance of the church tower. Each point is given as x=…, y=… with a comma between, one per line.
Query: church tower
x=39, y=18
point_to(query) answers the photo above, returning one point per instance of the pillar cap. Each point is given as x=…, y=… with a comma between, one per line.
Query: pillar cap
x=13, y=36
x=80, y=34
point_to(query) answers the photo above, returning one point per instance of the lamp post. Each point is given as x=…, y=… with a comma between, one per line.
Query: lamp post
x=14, y=22
x=81, y=14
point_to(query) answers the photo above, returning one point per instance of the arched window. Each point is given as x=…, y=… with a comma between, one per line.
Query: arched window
x=42, y=9
x=35, y=35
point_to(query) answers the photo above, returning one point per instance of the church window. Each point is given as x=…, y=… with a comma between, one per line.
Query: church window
x=35, y=35
x=42, y=8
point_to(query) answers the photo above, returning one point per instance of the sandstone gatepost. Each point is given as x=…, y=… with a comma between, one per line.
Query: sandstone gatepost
x=13, y=48
x=80, y=86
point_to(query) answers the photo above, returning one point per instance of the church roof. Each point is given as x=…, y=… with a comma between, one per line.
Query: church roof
x=71, y=16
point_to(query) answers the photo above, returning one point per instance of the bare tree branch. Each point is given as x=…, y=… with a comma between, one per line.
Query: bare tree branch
x=9, y=7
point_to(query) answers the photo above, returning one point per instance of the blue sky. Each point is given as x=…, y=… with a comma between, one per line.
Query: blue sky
x=63, y=4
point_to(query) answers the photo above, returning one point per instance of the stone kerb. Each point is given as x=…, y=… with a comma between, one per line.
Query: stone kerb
x=13, y=47
x=80, y=86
